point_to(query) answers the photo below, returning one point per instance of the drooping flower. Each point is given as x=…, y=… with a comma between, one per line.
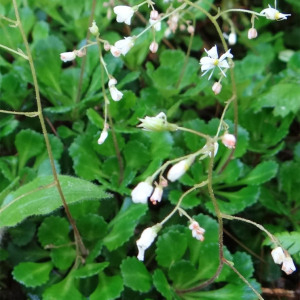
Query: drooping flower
x=252, y=33
x=273, y=14
x=67, y=56
x=212, y=60
x=94, y=30
x=145, y=241
x=156, y=24
x=180, y=168
x=232, y=38
x=157, y=123
x=103, y=136
x=153, y=47
x=157, y=194
x=141, y=192
x=278, y=255
x=288, y=265
x=197, y=231
x=124, y=13
x=229, y=140
x=216, y=88
x=116, y=52
x=125, y=45
x=116, y=95
x=208, y=149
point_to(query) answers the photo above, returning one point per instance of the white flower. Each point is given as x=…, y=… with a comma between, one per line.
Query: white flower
x=154, y=15
x=145, y=241
x=180, y=168
x=125, y=45
x=288, y=265
x=157, y=195
x=252, y=33
x=141, y=192
x=67, y=56
x=273, y=14
x=229, y=140
x=116, y=95
x=116, y=52
x=197, y=231
x=94, y=30
x=156, y=24
x=124, y=14
x=232, y=38
x=278, y=255
x=216, y=88
x=112, y=81
x=103, y=136
x=211, y=61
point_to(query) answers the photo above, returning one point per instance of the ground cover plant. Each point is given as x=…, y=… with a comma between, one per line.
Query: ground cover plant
x=149, y=150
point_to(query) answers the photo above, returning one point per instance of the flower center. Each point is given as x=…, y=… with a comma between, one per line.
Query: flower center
x=277, y=15
x=216, y=62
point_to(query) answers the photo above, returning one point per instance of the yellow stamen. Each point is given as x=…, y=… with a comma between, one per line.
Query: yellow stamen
x=216, y=62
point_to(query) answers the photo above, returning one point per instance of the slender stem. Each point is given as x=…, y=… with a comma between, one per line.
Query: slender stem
x=262, y=228
x=79, y=243
x=30, y=114
x=9, y=20
x=164, y=17
x=228, y=263
x=238, y=10
x=207, y=137
x=78, y=96
x=14, y=51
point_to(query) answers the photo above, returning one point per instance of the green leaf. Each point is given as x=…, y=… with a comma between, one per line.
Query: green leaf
x=235, y=201
x=32, y=274
x=136, y=154
x=261, y=173
x=166, y=252
x=54, y=231
x=7, y=124
x=109, y=288
x=63, y=257
x=135, y=275
x=90, y=270
x=92, y=227
x=29, y=144
x=161, y=283
x=23, y=234
x=283, y=97
x=66, y=290
x=41, y=197
x=122, y=227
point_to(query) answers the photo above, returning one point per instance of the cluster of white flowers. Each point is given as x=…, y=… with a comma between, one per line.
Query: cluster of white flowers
x=281, y=257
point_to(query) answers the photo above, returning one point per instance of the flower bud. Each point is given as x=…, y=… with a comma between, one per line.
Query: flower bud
x=278, y=255
x=191, y=29
x=141, y=192
x=80, y=53
x=229, y=140
x=288, y=265
x=157, y=195
x=252, y=33
x=157, y=123
x=232, y=38
x=154, y=15
x=103, y=136
x=67, y=56
x=94, y=30
x=112, y=81
x=216, y=88
x=180, y=168
x=153, y=47
x=106, y=46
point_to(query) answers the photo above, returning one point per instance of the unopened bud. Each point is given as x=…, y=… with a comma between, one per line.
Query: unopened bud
x=191, y=29
x=106, y=46
x=182, y=27
x=80, y=53
x=232, y=38
x=252, y=33
x=67, y=56
x=153, y=47
x=154, y=15
x=229, y=140
x=116, y=52
x=216, y=88
x=94, y=30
